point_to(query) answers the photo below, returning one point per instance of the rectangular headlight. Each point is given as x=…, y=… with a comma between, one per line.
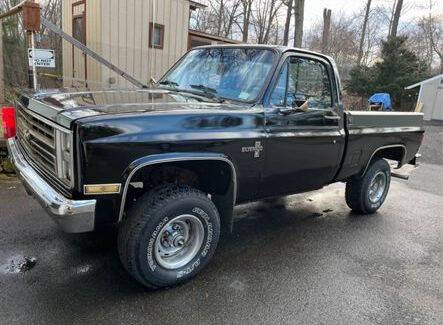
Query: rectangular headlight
x=65, y=156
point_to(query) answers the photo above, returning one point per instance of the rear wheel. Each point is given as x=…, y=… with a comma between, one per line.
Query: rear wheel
x=366, y=194
x=169, y=236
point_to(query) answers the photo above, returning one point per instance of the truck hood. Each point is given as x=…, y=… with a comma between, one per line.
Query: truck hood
x=65, y=107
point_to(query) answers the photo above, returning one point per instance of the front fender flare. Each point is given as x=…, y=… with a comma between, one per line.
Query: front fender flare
x=167, y=158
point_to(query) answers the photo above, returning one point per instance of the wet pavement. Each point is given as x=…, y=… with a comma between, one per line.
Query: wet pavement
x=304, y=259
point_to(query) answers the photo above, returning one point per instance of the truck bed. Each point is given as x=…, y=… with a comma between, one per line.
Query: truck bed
x=367, y=132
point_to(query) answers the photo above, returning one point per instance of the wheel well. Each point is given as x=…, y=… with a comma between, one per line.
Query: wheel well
x=395, y=152
x=214, y=177
x=392, y=153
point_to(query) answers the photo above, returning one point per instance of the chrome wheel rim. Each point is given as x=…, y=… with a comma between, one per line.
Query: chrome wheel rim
x=377, y=187
x=179, y=241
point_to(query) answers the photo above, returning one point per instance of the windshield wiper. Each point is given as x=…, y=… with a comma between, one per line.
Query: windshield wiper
x=169, y=83
x=209, y=92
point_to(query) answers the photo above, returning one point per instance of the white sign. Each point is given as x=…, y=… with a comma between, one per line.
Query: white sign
x=43, y=58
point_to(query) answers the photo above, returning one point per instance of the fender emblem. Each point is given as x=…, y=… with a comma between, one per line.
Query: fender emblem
x=256, y=149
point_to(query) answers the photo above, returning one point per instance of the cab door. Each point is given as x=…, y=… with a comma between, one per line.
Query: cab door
x=303, y=122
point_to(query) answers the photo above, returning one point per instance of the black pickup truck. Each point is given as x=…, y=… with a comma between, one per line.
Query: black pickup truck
x=224, y=126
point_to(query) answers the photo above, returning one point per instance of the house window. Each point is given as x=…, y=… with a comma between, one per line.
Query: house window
x=78, y=28
x=156, y=35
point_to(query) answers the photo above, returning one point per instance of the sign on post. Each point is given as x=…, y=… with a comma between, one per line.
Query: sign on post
x=43, y=58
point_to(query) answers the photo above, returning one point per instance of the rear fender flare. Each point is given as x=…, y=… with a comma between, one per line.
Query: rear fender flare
x=400, y=162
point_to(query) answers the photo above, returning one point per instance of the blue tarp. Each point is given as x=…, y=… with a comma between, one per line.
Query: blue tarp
x=381, y=99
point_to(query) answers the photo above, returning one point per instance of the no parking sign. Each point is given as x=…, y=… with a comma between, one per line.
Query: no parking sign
x=43, y=58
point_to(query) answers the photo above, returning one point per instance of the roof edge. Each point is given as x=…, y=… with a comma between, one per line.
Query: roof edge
x=425, y=81
x=194, y=5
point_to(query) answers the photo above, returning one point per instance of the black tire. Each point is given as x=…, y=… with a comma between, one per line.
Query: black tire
x=153, y=212
x=357, y=189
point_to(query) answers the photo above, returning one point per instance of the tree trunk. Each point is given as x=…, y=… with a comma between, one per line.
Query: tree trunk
x=394, y=4
x=299, y=19
x=220, y=18
x=326, y=28
x=395, y=19
x=269, y=23
x=363, y=32
x=232, y=13
x=288, y=22
x=247, y=10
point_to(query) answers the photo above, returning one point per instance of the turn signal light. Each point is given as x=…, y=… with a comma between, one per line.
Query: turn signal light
x=101, y=189
x=8, y=122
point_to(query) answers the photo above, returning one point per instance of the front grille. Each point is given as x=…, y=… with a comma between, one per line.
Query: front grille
x=38, y=140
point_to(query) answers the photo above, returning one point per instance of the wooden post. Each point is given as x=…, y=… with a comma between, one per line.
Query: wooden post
x=31, y=23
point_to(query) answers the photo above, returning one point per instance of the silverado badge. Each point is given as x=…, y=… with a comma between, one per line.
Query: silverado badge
x=256, y=149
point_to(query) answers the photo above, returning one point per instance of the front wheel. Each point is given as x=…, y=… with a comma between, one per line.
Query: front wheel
x=366, y=194
x=169, y=236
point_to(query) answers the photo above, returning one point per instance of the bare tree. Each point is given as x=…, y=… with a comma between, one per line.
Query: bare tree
x=220, y=17
x=264, y=19
x=250, y=20
x=363, y=32
x=432, y=30
x=247, y=12
x=299, y=15
x=289, y=4
x=231, y=17
x=326, y=29
x=396, y=19
x=343, y=40
x=6, y=5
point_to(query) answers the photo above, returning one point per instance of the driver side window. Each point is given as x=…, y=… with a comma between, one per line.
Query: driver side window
x=301, y=80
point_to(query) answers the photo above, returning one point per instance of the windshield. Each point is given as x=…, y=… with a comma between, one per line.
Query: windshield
x=226, y=73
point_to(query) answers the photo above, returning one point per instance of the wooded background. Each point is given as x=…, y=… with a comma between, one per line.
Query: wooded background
x=15, y=53
x=351, y=38
x=355, y=40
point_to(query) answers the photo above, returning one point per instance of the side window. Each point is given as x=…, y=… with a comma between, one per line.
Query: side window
x=307, y=80
x=278, y=95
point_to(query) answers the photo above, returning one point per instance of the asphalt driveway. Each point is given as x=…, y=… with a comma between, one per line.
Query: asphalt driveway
x=305, y=259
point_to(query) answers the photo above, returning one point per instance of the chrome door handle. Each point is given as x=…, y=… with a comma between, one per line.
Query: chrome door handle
x=332, y=117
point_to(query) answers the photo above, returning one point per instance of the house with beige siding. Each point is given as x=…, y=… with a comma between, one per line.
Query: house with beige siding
x=142, y=37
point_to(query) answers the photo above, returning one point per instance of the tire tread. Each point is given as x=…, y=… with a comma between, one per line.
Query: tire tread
x=356, y=187
x=133, y=225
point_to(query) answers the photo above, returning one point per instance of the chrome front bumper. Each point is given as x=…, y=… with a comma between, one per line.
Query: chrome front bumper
x=70, y=215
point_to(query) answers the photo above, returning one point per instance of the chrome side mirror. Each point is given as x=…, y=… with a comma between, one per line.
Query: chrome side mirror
x=294, y=109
